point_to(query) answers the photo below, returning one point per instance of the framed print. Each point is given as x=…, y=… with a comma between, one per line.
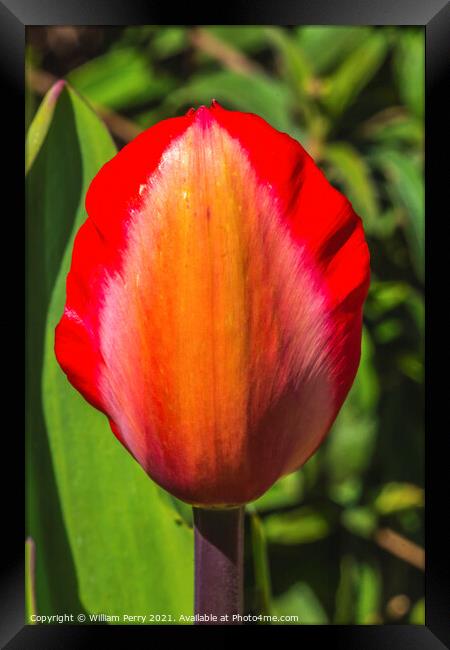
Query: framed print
x=229, y=279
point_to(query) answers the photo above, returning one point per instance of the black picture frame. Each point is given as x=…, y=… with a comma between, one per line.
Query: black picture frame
x=434, y=15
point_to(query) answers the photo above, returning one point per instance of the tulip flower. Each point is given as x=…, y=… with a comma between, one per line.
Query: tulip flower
x=214, y=305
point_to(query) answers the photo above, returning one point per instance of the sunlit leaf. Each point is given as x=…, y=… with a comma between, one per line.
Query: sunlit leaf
x=258, y=94
x=398, y=496
x=120, y=78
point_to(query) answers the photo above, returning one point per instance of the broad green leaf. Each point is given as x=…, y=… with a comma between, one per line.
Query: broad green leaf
x=405, y=185
x=326, y=46
x=260, y=564
x=72, y=147
x=301, y=601
x=398, y=496
x=259, y=94
x=119, y=79
x=131, y=549
x=350, y=169
x=409, y=67
x=355, y=72
x=300, y=526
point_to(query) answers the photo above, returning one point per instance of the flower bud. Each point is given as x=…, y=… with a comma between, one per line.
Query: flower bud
x=214, y=304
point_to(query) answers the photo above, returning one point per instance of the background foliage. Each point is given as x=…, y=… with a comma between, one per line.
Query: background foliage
x=340, y=540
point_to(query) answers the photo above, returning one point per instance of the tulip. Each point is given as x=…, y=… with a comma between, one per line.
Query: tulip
x=214, y=305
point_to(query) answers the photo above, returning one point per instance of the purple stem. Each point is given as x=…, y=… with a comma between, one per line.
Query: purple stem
x=219, y=536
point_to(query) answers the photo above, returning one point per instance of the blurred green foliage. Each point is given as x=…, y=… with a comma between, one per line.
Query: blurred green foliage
x=354, y=97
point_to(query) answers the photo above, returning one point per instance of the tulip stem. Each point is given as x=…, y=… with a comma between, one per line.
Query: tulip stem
x=219, y=539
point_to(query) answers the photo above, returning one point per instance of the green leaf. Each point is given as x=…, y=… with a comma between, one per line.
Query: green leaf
x=287, y=491
x=405, y=185
x=260, y=564
x=389, y=330
x=300, y=526
x=326, y=46
x=360, y=521
x=247, y=38
x=72, y=147
x=351, y=170
x=355, y=73
x=302, y=602
x=296, y=66
x=394, y=129
x=385, y=296
x=119, y=79
x=394, y=497
x=41, y=123
x=349, y=446
x=131, y=549
x=32, y=61
x=368, y=598
x=347, y=492
x=409, y=67
x=259, y=94
x=169, y=41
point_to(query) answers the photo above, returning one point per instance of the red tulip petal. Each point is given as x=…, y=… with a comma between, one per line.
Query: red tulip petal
x=216, y=290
